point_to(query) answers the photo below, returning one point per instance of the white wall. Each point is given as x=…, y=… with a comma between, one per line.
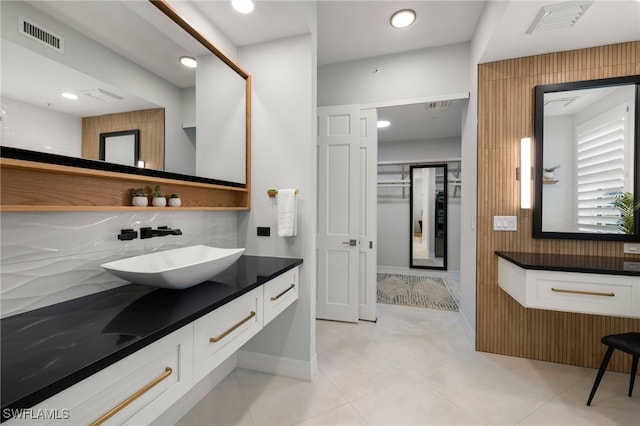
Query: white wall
x=284, y=156
x=558, y=214
x=468, y=210
x=393, y=210
x=434, y=73
x=31, y=127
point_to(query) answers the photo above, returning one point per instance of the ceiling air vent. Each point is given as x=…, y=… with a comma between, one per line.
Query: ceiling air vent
x=101, y=95
x=438, y=105
x=559, y=15
x=43, y=36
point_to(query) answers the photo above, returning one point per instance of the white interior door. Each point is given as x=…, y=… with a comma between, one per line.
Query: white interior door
x=338, y=213
x=368, y=209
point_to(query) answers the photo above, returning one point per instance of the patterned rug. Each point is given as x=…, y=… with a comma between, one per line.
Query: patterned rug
x=424, y=292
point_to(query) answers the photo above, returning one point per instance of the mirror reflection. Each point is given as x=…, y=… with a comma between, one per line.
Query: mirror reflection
x=586, y=165
x=428, y=209
x=121, y=147
x=114, y=62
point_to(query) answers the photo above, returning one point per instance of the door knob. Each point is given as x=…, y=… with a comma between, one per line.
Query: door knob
x=351, y=243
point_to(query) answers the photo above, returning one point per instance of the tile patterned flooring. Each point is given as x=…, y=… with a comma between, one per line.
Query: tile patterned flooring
x=417, y=367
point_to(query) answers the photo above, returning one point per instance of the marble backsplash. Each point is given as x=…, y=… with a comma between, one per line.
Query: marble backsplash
x=50, y=257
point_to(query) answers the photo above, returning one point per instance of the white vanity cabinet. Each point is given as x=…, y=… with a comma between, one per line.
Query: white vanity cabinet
x=588, y=293
x=220, y=333
x=140, y=387
x=132, y=391
x=279, y=293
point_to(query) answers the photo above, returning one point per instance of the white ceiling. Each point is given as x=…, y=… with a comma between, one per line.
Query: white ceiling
x=350, y=30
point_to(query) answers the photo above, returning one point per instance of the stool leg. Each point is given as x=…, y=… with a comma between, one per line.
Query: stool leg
x=603, y=368
x=634, y=368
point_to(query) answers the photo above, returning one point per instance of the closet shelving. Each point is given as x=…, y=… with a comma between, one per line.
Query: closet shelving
x=396, y=174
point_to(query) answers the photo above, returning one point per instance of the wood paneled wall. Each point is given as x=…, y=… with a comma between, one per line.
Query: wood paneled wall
x=505, y=115
x=150, y=122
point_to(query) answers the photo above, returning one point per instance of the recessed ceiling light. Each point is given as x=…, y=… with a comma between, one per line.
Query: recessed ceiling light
x=188, y=61
x=403, y=18
x=383, y=123
x=243, y=6
x=71, y=96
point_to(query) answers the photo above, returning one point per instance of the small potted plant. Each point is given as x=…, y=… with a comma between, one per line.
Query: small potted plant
x=157, y=199
x=548, y=172
x=139, y=197
x=174, y=201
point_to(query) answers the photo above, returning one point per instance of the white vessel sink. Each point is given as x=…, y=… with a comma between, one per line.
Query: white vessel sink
x=177, y=268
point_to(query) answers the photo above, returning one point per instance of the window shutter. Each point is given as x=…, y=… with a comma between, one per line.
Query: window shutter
x=600, y=169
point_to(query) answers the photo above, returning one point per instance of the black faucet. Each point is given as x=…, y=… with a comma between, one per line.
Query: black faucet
x=127, y=234
x=160, y=232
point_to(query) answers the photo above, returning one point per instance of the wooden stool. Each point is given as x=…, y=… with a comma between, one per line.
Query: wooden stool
x=625, y=342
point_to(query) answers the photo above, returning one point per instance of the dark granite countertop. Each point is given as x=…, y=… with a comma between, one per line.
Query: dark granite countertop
x=573, y=263
x=47, y=350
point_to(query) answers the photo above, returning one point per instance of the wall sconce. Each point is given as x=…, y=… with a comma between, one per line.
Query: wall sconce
x=525, y=173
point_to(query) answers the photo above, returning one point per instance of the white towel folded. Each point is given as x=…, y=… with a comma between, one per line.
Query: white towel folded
x=287, y=212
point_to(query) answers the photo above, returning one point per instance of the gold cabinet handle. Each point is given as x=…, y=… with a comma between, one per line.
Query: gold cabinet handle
x=222, y=336
x=106, y=416
x=589, y=293
x=291, y=287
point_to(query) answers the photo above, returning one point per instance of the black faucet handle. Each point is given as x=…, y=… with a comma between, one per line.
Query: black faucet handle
x=127, y=234
x=145, y=233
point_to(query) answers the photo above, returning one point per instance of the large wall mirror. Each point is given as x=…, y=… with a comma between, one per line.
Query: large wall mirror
x=428, y=210
x=587, y=177
x=117, y=63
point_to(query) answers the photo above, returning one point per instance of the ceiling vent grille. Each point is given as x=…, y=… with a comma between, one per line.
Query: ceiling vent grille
x=43, y=36
x=438, y=105
x=101, y=95
x=560, y=15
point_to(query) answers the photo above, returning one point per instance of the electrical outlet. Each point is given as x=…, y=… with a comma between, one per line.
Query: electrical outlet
x=264, y=231
x=632, y=248
x=505, y=223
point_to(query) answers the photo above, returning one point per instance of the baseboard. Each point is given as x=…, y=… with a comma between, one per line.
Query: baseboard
x=280, y=366
x=452, y=275
x=181, y=407
x=466, y=326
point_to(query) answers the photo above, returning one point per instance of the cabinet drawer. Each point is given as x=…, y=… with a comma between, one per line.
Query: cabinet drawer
x=143, y=384
x=279, y=293
x=587, y=293
x=220, y=333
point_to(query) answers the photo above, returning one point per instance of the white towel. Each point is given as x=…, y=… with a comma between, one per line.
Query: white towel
x=287, y=212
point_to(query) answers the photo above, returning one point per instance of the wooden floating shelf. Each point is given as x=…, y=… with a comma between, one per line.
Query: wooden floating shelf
x=33, y=186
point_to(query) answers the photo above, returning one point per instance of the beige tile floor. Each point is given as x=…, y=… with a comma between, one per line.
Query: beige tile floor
x=416, y=367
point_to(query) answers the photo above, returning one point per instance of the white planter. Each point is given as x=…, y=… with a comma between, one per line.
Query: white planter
x=159, y=201
x=547, y=175
x=175, y=202
x=139, y=201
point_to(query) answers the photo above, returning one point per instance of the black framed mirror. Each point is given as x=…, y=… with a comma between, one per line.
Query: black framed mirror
x=121, y=147
x=428, y=216
x=587, y=177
